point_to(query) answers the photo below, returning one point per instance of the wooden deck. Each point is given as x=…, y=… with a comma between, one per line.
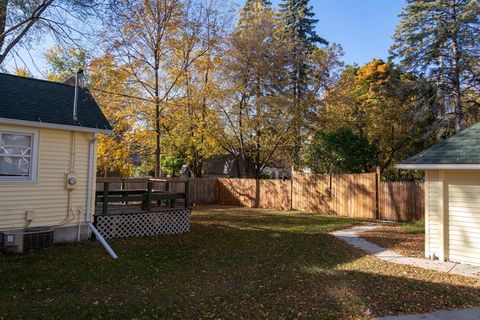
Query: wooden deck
x=142, y=191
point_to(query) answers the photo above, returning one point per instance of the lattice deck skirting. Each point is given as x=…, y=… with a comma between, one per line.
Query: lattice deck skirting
x=139, y=224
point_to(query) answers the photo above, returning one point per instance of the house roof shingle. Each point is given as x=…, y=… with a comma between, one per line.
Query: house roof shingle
x=42, y=101
x=462, y=148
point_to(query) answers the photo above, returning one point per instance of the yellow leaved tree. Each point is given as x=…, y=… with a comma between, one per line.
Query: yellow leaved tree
x=391, y=108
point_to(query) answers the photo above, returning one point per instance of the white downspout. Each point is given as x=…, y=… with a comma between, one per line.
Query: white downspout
x=97, y=234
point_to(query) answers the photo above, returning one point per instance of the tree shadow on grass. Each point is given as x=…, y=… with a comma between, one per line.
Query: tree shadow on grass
x=223, y=269
x=384, y=295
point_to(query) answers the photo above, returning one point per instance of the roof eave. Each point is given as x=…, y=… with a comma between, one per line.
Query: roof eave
x=53, y=126
x=438, y=166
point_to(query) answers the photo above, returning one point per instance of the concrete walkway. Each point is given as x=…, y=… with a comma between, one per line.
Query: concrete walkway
x=351, y=236
x=457, y=314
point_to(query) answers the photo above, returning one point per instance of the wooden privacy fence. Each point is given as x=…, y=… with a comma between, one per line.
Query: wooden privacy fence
x=269, y=194
x=351, y=195
x=402, y=201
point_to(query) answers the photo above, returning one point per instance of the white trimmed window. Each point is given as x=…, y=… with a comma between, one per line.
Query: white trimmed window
x=17, y=156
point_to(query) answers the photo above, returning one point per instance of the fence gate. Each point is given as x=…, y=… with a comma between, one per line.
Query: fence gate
x=139, y=224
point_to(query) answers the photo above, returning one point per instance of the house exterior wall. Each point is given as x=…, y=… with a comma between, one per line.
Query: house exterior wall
x=452, y=225
x=433, y=188
x=59, y=152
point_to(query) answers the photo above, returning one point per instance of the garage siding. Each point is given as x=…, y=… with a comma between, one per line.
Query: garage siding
x=433, y=194
x=464, y=216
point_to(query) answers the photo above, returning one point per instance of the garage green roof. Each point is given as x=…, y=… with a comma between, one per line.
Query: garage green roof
x=461, y=150
x=39, y=102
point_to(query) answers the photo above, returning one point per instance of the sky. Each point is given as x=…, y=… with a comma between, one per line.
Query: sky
x=362, y=27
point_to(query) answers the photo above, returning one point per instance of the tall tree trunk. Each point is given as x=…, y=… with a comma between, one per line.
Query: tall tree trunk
x=258, y=131
x=440, y=91
x=3, y=20
x=237, y=166
x=247, y=167
x=296, y=112
x=204, y=104
x=195, y=157
x=197, y=170
x=158, y=170
x=241, y=139
x=258, y=163
x=457, y=91
x=459, y=123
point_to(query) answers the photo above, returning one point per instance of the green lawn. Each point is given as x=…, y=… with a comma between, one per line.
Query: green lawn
x=235, y=263
x=414, y=227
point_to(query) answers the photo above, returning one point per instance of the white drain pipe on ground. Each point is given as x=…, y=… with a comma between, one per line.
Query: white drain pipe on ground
x=91, y=154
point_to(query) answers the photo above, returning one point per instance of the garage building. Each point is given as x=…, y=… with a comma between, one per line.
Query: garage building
x=452, y=197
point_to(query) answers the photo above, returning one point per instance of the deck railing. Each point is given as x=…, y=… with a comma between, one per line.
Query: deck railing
x=144, y=190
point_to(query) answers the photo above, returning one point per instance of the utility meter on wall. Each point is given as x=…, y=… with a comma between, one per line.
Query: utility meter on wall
x=71, y=180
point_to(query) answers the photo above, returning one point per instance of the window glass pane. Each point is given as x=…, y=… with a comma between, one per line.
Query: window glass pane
x=14, y=166
x=15, y=144
x=16, y=139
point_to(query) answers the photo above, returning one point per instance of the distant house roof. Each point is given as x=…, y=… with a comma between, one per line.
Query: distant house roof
x=460, y=151
x=43, y=103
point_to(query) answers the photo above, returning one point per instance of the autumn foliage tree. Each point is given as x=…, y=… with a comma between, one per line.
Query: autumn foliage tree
x=161, y=43
x=391, y=108
x=190, y=114
x=107, y=81
x=139, y=34
x=256, y=107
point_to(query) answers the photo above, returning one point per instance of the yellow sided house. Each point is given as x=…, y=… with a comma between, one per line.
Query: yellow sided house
x=48, y=134
x=452, y=197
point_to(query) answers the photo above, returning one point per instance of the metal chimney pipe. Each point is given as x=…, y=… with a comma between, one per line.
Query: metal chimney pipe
x=78, y=76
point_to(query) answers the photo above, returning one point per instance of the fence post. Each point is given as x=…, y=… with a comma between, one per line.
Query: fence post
x=187, y=193
x=377, y=192
x=257, y=193
x=149, y=196
x=105, y=198
x=291, y=189
x=123, y=186
x=193, y=188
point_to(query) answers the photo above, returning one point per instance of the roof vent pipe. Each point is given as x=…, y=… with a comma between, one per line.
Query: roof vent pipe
x=78, y=78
